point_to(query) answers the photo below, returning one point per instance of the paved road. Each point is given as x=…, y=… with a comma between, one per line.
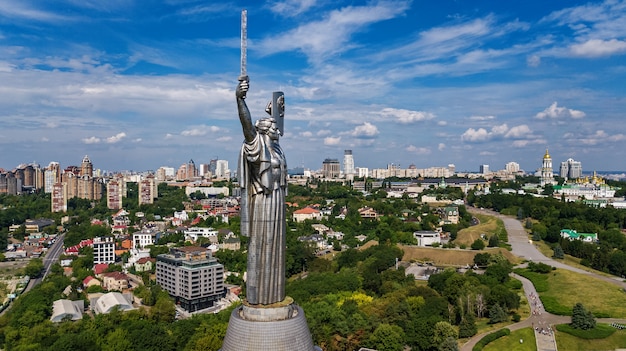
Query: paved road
x=52, y=256
x=540, y=320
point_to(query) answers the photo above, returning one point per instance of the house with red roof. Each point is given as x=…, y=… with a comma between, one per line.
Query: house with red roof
x=306, y=213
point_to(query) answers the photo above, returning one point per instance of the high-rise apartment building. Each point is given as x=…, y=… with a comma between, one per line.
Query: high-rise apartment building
x=187, y=171
x=331, y=168
x=571, y=169
x=147, y=190
x=52, y=175
x=348, y=163
x=115, y=194
x=191, y=276
x=59, y=197
x=221, y=169
x=484, y=169
x=512, y=167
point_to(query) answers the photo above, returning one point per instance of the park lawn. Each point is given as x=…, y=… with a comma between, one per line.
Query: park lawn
x=512, y=342
x=488, y=225
x=566, y=288
x=569, y=342
x=449, y=257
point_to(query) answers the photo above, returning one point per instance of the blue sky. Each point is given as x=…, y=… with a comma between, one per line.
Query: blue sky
x=143, y=84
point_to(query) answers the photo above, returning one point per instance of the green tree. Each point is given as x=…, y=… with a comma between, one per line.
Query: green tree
x=387, y=337
x=467, y=327
x=34, y=267
x=482, y=259
x=558, y=252
x=497, y=314
x=581, y=318
x=450, y=344
x=443, y=330
x=478, y=244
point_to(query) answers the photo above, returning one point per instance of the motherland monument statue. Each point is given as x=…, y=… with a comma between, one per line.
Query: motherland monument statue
x=267, y=319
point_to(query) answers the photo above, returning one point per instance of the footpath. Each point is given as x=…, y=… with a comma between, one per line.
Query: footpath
x=541, y=321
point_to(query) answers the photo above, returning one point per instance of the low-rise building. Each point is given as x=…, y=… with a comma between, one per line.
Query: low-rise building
x=193, y=233
x=105, y=303
x=427, y=238
x=67, y=310
x=116, y=281
x=571, y=234
x=303, y=214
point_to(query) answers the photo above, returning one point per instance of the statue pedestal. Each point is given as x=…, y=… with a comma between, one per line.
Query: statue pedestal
x=277, y=327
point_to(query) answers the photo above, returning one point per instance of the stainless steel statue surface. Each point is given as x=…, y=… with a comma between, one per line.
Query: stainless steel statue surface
x=263, y=179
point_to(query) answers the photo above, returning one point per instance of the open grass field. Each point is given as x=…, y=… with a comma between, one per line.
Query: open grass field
x=568, y=342
x=449, y=257
x=566, y=288
x=488, y=225
x=512, y=342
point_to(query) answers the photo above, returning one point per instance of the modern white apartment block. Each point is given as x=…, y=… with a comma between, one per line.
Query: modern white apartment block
x=144, y=238
x=103, y=250
x=191, y=276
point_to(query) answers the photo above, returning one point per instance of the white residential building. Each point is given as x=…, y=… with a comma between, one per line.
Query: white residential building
x=427, y=238
x=193, y=233
x=103, y=250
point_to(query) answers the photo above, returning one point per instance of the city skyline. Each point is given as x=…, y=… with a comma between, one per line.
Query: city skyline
x=138, y=87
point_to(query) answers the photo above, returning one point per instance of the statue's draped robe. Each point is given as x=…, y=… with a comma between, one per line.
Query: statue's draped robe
x=263, y=180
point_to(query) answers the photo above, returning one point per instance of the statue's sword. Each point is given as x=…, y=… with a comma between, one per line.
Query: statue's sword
x=244, y=43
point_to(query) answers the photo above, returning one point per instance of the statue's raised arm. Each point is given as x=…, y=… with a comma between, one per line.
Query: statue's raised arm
x=249, y=132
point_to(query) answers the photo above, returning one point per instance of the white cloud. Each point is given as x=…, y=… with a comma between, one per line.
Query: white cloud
x=200, y=130
x=91, y=140
x=482, y=118
x=291, y=8
x=518, y=132
x=533, y=61
x=116, y=138
x=441, y=146
x=499, y=131
x=600, y=137
x=366, y=130
x=306, y=134
x=598, y=48
x=332, y=34
x=168, y=136
x=224, y=139
x=442, y=123
x=418, y=150
x=406, y=116
x=472, y=134
x=332, y=141
x=521, y=143
x=553, y=111
x=323, y=132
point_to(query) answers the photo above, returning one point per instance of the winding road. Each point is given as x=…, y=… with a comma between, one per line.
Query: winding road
x=541, y=320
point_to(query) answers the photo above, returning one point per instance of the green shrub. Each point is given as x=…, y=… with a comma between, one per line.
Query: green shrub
x=601, y=331
x=540, y=281
x=489, y=338
x=539, y=267
x=552, y=305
